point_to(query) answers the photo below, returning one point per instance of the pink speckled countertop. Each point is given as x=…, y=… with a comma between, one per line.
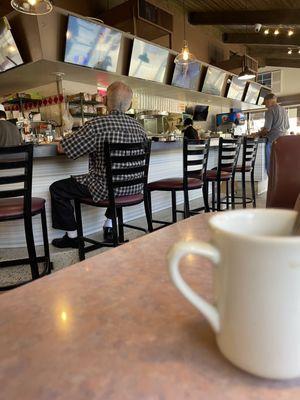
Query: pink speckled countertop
x=114, y=327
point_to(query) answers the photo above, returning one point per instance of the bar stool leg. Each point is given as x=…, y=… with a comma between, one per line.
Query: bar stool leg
x=213, y=197
x=218, y=195
x=148, y=210
x=174, y=213
x=115, y=227
x=81, y=251
x=253, y=189
x=186, y=204
x=120, y=224
x=244, y=189
x=45, y=240
x=205, y=196
x=233, y=192
x=30, y=247
x=227, y=195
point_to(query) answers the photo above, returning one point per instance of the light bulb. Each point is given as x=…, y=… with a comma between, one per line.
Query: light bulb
x=276, y=32
x=290, y=51
x=32, y=2
x=299, y=51
x=266, y=31
x=185, y=54
x=290, y=32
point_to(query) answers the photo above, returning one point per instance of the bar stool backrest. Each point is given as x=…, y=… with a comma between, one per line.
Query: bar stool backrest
x=228, y=155
x=14, y=159
x=195, y=157
x=127, y=166
x=250, y=146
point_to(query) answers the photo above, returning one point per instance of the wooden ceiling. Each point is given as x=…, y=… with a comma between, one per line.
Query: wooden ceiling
x=236, y=19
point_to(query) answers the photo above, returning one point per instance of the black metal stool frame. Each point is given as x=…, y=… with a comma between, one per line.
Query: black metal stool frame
x=200, y=173
x=23, y=158
x=115, y=181
x=250, y=146
x=226, y=163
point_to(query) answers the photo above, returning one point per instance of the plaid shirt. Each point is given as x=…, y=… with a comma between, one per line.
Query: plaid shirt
x=117, y=127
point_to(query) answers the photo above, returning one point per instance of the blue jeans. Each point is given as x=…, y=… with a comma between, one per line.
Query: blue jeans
x=268, y=156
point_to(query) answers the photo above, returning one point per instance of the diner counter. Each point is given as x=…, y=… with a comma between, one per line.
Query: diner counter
x=114, y=327
x=165, y=162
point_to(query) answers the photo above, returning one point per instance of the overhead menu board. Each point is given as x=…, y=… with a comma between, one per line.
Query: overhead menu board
x=9, y=53
x=252, y=93
x=236, y=89
x=214, y=81
x=148, y=61
x=92, y=45
x=187, y=75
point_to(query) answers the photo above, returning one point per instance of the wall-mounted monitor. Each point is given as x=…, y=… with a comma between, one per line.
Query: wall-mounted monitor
x=187, y=75
x=252, y=93
x=92, y=45
x=9, y=53
x=214, y=81
x=200, y=113
x=148, y=61
x=236, y=89
x=263, y=92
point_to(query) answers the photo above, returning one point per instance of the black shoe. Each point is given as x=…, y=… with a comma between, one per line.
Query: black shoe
x=65, y=242
x=108, y=234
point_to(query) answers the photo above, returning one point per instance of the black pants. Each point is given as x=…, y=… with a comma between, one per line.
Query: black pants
x=62, y=193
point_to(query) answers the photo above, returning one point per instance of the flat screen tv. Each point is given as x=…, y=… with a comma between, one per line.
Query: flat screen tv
x=252, y=93
x=92, y=45
x=236, y=89
x=214, y=81
x=9, y=53
x=148, y=61
x=200, y=113
x=187, y=75
x=263, y=92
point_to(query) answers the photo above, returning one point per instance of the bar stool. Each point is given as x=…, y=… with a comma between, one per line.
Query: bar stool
x=195, y=156
x=250, y=146
x=225, y=171
x=127, y=166
x=18, y=204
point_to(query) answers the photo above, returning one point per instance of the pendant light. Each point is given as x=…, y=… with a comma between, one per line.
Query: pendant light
x=32, y=7
x=246, y=73
x=185, y=56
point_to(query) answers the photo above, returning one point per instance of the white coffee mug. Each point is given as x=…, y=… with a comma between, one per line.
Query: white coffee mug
x=257, y=289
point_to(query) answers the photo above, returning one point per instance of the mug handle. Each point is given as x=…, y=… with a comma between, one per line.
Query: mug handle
x=178, y=251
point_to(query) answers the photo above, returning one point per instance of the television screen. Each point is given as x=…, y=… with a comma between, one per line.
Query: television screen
x=262, y=94
x=148, y=61
x=236, y=88
x=200, y=113
x=252, y=93
x=214, y=81
x=92, y=45
x=187, y=75
x=9, y=53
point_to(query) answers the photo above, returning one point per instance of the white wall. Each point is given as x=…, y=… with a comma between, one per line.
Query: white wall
x=290, y=80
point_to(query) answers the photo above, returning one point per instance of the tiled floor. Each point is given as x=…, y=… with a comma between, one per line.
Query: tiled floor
x=64, y=258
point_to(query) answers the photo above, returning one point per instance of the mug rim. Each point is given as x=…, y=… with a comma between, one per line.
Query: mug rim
x=254, y=237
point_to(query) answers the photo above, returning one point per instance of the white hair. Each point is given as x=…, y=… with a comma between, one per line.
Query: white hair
x=119, y=97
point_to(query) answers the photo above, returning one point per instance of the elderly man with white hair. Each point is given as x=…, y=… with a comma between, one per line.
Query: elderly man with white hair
x=116, y=127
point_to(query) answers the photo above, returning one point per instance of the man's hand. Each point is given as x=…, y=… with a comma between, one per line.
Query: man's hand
x=60, y=149
x=263, y=132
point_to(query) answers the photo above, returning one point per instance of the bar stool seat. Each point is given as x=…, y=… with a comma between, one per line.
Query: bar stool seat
x=212, y=175
x=122, y=201
x=15, y=207
x=240, y=168
x=175, y=184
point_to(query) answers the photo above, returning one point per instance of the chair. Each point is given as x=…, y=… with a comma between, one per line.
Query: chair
x=284, y=174
x=225, y=172
x=195, y=156
x=17, y=203
x=250, y=147
x=134, y=175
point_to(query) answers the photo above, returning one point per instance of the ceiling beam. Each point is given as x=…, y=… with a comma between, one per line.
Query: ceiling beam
x=259, y=38
x=281, y=62
x=246, y=17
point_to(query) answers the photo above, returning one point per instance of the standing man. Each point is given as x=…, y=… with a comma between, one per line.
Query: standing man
x=9, y=133
x=116, y=127
x=276, y=124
